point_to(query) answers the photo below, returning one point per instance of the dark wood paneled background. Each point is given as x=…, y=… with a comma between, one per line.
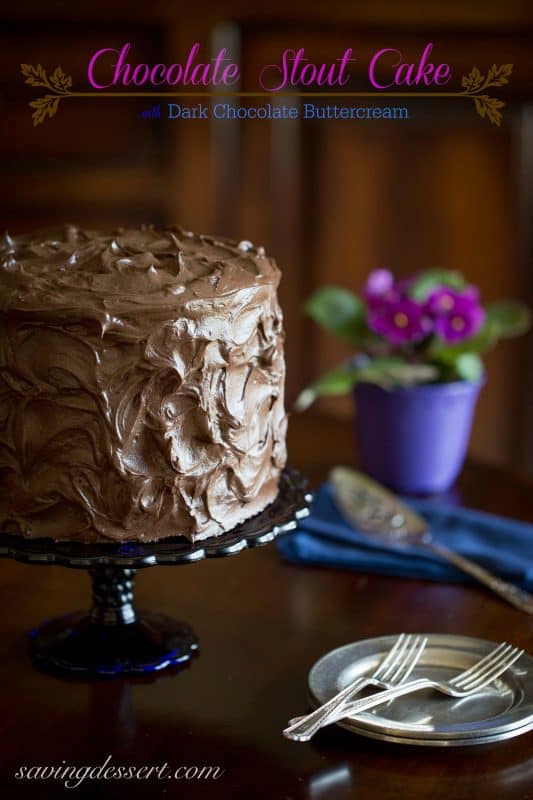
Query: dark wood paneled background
x=331, y=200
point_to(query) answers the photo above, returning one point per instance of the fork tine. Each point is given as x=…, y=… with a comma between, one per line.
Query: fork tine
x=396, y=669
x=496, y=658
x=410, y=661
x=464, y=681
x=474, y=669
x=497, y=669
x=405, y=656
x=391, y=659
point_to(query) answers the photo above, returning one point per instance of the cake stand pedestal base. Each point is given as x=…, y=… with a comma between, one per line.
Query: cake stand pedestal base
x=113, y=638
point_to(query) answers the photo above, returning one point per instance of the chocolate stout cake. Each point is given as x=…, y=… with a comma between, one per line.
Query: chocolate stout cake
x=141, y=381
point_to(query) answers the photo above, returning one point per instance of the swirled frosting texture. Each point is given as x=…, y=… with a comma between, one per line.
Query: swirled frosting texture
x=141, y=384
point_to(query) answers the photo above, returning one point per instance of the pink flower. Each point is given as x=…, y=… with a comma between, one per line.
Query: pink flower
x=462, y=323
x=443, y=300
x=380, y=288
x=378, y=283
x=458, y=315
x=400, y=321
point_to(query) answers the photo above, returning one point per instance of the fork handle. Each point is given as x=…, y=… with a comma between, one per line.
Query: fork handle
x=309, y=721
x=517, y=597
x=358, y=706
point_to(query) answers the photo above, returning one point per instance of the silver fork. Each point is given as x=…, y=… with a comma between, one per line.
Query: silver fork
x=466, y=683
x=391, y=671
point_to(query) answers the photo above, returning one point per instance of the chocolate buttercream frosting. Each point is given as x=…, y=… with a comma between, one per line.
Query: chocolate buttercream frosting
x=141, y=384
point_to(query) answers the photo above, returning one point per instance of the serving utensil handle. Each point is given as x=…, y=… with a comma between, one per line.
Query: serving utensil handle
x=515, y=596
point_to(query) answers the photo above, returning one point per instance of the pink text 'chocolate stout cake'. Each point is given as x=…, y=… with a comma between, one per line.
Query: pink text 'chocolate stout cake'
x=141, y=384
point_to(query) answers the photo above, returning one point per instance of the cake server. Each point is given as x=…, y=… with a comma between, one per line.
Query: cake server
x=378, y=513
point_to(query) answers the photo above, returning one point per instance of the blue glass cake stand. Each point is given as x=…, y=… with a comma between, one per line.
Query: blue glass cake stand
x=113, y=638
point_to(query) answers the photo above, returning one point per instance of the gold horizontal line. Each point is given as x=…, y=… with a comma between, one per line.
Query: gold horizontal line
x=411, y=95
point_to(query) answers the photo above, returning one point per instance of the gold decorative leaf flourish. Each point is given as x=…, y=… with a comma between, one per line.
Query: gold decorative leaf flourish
x=498, y=76
x=59, y=84
x=60, y=81
x=475, y=84
x=473, y=81
x=489, y=107
x=44, y=107
x=481, y=108
x=35, y=76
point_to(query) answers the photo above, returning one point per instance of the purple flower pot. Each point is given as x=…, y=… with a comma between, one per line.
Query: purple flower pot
x=415, y=439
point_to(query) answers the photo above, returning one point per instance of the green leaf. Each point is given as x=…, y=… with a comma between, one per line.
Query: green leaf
x=440, y=351
x=338, y=311
x=340, y=380
x=390, y=372
x=386, y=372
x=432, y=279
x=508, y=318
x=469, y=367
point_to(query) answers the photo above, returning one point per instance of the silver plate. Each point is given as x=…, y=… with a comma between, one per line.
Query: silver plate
x=427, y=717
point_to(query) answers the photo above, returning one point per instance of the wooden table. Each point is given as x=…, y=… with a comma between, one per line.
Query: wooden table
x=261, y=625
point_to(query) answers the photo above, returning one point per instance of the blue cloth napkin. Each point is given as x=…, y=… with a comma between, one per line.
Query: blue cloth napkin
x=504, y=546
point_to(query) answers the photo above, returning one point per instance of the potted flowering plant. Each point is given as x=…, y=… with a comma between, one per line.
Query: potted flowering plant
x=417, y=372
